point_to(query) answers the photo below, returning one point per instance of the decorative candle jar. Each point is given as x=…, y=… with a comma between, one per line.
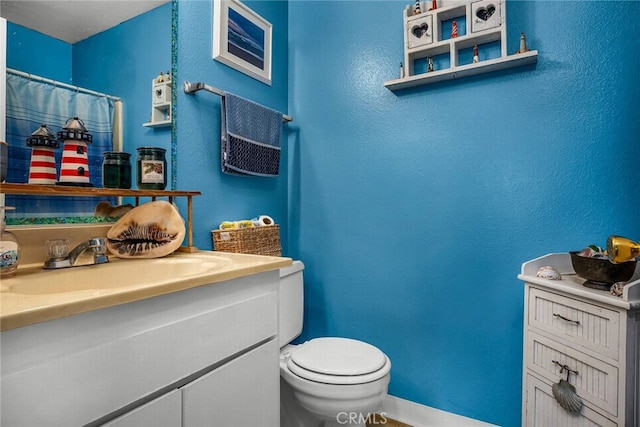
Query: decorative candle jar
x=151, y=168
x=116, y=170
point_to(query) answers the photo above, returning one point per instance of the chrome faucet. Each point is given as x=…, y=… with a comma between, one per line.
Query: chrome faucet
x=60, y=258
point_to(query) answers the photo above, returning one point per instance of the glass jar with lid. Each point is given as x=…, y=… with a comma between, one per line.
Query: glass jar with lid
x=151, y=168
x=116, y=170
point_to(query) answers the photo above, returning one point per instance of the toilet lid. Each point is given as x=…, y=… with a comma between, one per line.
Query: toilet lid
x=338, y=356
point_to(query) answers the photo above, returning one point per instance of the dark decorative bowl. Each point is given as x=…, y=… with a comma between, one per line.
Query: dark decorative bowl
x=601, y=273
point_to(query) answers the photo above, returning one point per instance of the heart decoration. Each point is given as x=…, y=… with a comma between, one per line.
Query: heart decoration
x=486, y=13
x=420, y=30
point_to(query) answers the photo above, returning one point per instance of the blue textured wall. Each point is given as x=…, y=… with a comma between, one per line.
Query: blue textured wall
x=414, y=211
x=36, y=53
x=122, y=61
x=225, y=197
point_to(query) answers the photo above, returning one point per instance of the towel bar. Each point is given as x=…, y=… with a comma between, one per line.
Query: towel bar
x=192, y=88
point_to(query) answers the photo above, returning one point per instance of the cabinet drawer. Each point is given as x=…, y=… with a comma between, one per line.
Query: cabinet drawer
x=542, y=410
x=584, y=324
x=243, y=392
x=165, y=411
x=596, y=381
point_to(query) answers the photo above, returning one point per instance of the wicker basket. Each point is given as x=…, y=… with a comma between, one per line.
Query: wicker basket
x=254, y=240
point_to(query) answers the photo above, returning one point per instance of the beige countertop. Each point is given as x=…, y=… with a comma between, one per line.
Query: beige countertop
x=36, y=295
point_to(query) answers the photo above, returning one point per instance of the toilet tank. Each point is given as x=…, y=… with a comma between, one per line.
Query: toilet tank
x=291, y=303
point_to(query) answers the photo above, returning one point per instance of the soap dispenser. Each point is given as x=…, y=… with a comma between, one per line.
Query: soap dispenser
x=9, y=248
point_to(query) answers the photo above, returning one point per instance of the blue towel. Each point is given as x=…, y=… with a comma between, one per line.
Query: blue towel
x=250, y=137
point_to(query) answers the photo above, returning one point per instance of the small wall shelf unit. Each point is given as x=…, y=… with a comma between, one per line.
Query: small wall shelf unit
x=428, y=35
x=63, y=190
x=160, y=104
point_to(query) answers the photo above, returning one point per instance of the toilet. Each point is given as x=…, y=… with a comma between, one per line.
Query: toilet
x=328, y=381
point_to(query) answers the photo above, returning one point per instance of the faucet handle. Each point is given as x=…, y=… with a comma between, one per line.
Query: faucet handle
x=99, y=246
x=97, y=242
x=57, y=248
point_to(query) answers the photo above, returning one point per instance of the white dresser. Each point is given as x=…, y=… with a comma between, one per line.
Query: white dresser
x=594, y=334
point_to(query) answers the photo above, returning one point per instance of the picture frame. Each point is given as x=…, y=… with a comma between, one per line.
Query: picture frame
x=242, y=39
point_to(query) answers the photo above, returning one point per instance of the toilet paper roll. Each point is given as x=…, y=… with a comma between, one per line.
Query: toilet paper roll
x=233, y=225
x=227, y=225
x=266, y=220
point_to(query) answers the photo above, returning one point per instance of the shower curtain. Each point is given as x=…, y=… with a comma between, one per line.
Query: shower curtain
x=31, y=103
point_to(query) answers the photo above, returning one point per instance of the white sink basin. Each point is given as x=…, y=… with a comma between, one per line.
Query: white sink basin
x=118, y=273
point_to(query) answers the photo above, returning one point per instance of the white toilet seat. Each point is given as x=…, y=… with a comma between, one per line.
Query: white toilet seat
x=338, y=361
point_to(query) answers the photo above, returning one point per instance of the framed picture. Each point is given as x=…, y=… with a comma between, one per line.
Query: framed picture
x=242, y=39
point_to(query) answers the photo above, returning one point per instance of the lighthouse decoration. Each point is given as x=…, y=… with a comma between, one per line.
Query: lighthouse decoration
x=454, y=29
x=42, y=169
x=75, y=160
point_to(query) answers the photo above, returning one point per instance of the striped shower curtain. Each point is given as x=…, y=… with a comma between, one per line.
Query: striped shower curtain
x=32, y=103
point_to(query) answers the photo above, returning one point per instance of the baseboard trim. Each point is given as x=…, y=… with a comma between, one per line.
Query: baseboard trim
x=417, y=415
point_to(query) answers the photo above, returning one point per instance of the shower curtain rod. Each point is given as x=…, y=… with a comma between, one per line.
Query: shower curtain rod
x=192, y=88
x=60, y=84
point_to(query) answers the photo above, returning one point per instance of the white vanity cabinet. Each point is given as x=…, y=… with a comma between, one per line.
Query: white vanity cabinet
x=213, y=398
x=201, y=356
x=163, y=411
x=594, y=334
x=233, y=394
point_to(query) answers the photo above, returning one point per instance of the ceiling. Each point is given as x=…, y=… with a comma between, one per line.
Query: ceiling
x=73, y=20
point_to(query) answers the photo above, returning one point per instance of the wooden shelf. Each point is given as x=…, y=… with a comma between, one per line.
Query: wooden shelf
x=64, y=190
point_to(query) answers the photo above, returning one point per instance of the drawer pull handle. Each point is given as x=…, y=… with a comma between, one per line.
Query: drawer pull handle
x=577, y=322
x=565, y=368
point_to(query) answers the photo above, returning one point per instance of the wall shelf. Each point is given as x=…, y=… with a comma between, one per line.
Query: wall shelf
x=479, y=26
x=162, y=124
x=63, y=190
x=160, y=104
x=488, y=66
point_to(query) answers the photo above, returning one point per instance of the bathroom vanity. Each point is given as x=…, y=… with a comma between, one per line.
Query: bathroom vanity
x=197, y=348
x=592, y=333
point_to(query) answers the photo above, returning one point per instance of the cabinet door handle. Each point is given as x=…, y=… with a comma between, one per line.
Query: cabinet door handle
x=565, y=367
x=577, y=322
